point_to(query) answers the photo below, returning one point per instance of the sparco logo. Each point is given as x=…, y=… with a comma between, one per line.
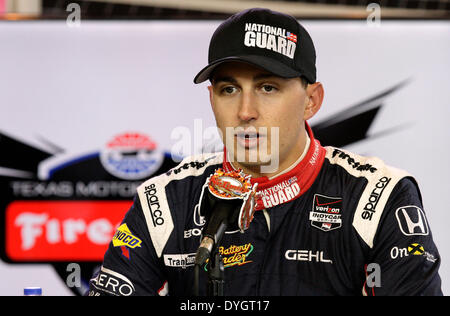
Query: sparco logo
x=153, y=204
x=375, y=195
x=354, y=164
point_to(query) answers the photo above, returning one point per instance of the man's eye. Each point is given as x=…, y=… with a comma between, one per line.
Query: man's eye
x=228, y=90
x=268, y=88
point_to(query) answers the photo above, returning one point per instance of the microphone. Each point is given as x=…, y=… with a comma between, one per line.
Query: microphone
x=227, y=200
x=222, y=213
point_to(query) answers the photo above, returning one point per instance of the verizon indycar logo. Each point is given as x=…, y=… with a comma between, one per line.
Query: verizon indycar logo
x=326, y=212
x=131, y=156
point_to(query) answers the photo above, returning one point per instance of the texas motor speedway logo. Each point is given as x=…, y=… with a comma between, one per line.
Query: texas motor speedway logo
x=59, y=207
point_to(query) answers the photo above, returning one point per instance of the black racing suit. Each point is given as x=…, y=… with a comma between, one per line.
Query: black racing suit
x=356, y=227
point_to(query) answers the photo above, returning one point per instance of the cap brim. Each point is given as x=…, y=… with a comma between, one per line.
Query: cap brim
x=266, y=63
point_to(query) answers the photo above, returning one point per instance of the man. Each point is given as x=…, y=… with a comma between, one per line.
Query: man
x=327, y=221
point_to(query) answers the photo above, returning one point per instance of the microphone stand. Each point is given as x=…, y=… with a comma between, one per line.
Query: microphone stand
x=213, y=261
x=215, y=275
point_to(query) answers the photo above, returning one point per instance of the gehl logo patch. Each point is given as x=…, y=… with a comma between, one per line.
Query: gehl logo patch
x=124, y=237
x=326, y=212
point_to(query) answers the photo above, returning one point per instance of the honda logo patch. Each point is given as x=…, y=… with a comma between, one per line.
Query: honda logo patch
x=326, y=212
x=412, y=221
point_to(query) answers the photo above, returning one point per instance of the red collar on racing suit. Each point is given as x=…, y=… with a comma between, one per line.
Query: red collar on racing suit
x=291, y=184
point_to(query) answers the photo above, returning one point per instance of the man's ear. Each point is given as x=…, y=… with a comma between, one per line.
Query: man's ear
x=210, y=89
x=314, y=99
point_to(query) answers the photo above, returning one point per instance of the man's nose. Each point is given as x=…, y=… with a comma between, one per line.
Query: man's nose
x=248, y=108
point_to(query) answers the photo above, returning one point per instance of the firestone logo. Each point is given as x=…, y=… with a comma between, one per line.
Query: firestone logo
x=50, y=230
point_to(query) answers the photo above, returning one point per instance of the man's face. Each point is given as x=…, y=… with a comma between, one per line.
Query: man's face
x=260, y=116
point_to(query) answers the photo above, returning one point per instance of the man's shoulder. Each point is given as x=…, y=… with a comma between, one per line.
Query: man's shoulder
x=362, y=166
x=381, y=183
x=155, y=202
x=195, y=165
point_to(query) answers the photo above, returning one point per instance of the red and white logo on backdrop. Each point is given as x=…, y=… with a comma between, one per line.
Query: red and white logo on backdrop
x=131, y=156
x=61, y=230
x=70, y=210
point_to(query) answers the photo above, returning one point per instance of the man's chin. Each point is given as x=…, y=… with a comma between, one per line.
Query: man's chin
x=250, y=157
x=254, y=164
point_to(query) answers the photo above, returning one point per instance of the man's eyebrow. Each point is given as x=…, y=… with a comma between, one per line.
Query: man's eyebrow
x=233, y=80
x=215, y=80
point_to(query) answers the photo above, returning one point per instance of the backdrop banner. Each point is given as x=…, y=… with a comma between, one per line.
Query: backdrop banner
x=89, y=112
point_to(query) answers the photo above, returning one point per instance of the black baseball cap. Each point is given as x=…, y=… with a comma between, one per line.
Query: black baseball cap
x=268, y=39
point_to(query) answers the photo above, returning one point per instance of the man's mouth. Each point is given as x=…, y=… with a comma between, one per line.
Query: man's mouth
x=248, y=139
